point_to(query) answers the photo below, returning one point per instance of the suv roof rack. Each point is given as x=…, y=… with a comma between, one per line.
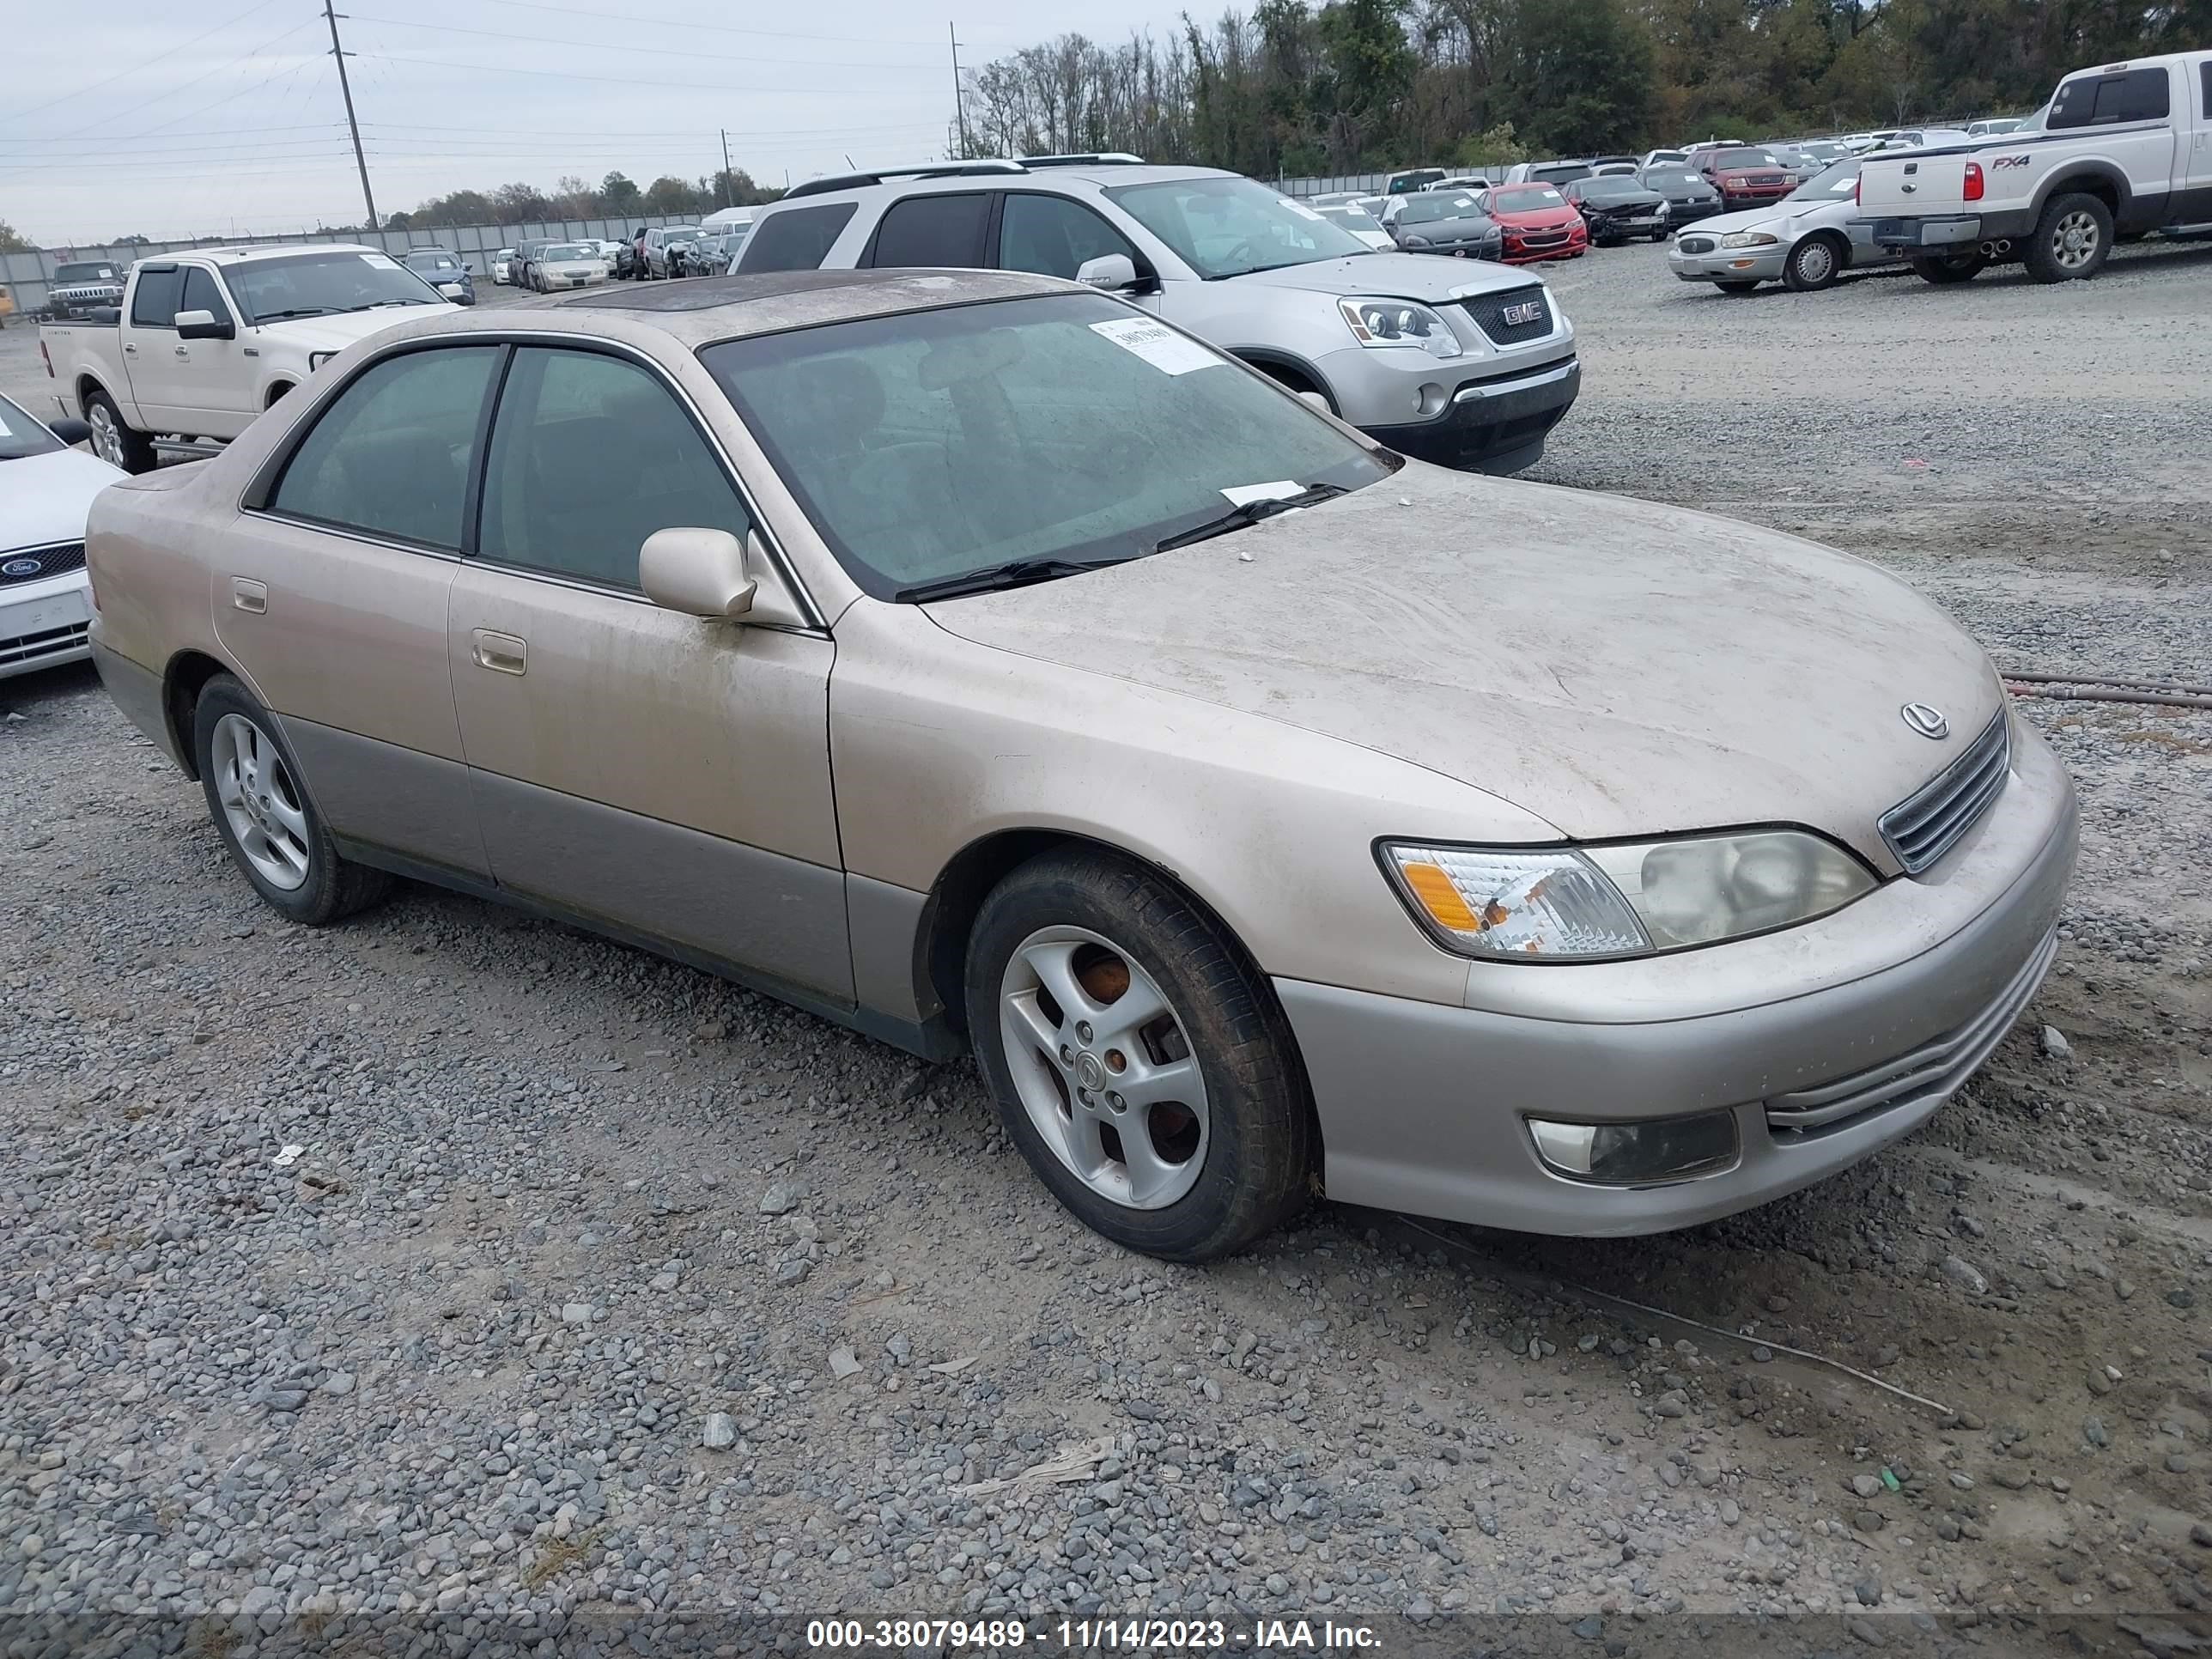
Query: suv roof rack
x=1104, y=158
x=927, y=170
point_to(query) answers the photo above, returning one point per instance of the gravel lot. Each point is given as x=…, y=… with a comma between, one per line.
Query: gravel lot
x=449, y=1262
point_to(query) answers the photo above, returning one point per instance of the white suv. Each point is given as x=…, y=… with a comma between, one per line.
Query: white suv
x=1455, y=361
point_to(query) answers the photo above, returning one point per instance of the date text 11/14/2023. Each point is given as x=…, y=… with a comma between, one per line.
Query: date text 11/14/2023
x=1087, y=1635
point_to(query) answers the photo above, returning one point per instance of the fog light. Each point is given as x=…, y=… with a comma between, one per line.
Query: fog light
x=1637, y=1154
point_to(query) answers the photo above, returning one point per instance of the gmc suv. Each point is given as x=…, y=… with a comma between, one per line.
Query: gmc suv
x=1452, y=360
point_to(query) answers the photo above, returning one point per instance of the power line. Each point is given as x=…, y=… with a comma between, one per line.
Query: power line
x=244, y=58
x=162, y=56
x=573, y=75
x=717, y=28
x=657, y=51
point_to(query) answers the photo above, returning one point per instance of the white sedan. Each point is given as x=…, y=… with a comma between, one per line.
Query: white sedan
x=1806, y=241
x=567, y=264
x=45, y=490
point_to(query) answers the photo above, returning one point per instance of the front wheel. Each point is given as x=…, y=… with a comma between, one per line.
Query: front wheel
x=272, y=831
x=119, y=445
x=1943, y=269
x=2071, y=241
x=1142, y=1067
x=1815, y=263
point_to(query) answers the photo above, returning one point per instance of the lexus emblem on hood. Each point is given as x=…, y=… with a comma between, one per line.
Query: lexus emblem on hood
x=1927, y=722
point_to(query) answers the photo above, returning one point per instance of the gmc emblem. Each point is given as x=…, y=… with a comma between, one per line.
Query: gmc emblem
x=1528, y=311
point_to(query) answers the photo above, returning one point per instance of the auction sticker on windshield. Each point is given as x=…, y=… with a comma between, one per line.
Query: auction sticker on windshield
x=1158, y=345
x=381, y=261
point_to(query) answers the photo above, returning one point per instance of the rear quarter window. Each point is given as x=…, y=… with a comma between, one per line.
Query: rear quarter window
x=797, y=239
x=2101, y=100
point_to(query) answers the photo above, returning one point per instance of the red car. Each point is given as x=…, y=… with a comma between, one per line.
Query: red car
x=1745, y=178
x=1539, y=223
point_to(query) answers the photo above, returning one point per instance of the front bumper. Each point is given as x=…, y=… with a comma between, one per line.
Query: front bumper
x=1728, y=265
x=1423, y=1108
x=1494, y=425
x=44, y=624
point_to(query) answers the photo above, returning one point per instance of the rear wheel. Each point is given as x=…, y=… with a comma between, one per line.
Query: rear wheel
x=1815, y=263
x=1942, y=269
x=1143, y=1068
x=114, y=442
x=2072, y=240
x=272, y=829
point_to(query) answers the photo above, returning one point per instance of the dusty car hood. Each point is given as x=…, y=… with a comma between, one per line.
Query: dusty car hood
x=44, y=498
x=1397, y=276
x=1615, y=667
x=1719, y=224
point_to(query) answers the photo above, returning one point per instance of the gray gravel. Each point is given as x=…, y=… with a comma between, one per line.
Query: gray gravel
x=598, y=1288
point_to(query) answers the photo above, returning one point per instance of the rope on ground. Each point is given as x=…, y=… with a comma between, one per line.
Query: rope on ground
x=1935, y=1405
x=2106, y=688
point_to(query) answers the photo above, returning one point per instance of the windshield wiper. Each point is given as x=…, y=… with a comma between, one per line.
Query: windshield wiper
x=1016, y=573
x=296, y=311
x=1249, y=513
x=379, y=305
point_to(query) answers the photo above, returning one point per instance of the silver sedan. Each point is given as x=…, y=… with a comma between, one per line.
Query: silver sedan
x=1806, y=241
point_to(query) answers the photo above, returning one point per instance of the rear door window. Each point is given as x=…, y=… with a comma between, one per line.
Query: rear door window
x=153, y=302
x=2102, y=100
x=932, y=230
x=799, y=239
x=392, y=454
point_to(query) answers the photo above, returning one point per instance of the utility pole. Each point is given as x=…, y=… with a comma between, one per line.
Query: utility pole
x=959, y=97
x=728, y=198
x=346, y=87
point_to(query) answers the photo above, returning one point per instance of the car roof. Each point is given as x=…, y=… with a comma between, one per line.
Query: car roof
x=1094, y=179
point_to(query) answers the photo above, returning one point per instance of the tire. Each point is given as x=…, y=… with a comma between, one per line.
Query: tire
x=1738, y=287
x=2071, y=241
x=114, y=442
x=267, y=822
x=1815, y=263
x=1944, y=269
x=1215, y=1172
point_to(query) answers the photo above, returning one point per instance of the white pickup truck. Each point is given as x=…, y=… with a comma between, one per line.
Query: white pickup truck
x=204, y=342
x=2123, y=150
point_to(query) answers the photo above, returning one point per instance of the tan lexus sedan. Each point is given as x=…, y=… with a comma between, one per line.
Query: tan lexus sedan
x=979, y=662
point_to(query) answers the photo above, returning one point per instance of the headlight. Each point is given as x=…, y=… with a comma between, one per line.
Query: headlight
x=1665, y=212
x=1561, y=903
x=1399, y=323
x=317, y=359
x=1749, y=238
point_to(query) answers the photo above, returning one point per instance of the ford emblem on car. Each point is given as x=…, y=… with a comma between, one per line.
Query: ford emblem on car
x=1927, y=722
x=21, y=568
x=1526, y=312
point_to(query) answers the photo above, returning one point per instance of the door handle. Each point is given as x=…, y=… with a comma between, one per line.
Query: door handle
x=184, y=351
x=247, y=595
x=130, y=350
x=503, y=654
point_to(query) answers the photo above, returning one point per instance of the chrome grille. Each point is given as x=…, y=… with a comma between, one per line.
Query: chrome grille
x=1929, y=1072
x=1696, y=244
x=1924, y=825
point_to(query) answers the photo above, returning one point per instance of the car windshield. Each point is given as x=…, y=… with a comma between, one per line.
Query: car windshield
x=1525, y=198
x=1564, y=172
x=1225, y=227
x=1829, y=183
x=21, y=436
x=84, y=274
x=1431, y=205
x=1354, y=219
x=433, y=261
x=317, y=284
x=931, y=445
x=1673, y=178
x=680, y=233
x=1743, y=158
x=568, y=251
x=1611, y=189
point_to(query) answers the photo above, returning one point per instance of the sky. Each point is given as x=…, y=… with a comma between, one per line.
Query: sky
x=169, y=121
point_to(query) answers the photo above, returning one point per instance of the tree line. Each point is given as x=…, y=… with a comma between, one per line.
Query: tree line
x=616, y=196
x=1347, y=86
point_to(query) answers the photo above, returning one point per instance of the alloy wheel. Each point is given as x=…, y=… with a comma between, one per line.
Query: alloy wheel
x=1817, y=263
x=107, y=434
x=263, y=808
x=1103, y=1066
x=2073, y=239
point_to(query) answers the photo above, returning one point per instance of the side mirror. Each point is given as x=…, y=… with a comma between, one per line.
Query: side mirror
x=1111, y=272
x=70, y=429
x=202, y=326
x=1316, y=400
x=700, y=572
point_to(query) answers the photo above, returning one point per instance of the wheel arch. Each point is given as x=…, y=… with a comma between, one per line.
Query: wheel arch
x=2099, y=179
x=182, y=681
x=277, y=388
x=86, y=385
x=948, y=915
x=1288, y=369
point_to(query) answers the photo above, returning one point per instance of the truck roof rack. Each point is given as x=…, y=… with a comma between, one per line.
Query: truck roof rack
x=927, y=170
x=1105, y=158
